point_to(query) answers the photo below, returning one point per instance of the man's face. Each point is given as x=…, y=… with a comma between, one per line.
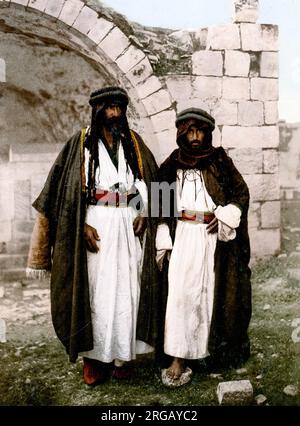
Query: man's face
x=112, y=111
x=111, y=115
x=195, y=136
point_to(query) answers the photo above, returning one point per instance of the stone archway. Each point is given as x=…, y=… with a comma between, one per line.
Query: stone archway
x=106, y=45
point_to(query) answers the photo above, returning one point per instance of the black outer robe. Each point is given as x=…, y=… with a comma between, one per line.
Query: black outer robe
x=228, y=339
x=63, y=202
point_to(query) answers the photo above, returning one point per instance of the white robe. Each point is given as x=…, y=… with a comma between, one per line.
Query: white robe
x=114, y=272
x=191, y=274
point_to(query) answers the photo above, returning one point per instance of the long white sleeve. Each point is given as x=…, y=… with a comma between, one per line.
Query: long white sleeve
x=163, y=239
x=228, y=219
x=230, y=215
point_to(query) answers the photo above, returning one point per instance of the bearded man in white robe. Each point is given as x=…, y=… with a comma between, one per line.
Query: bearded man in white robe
x=94, y=233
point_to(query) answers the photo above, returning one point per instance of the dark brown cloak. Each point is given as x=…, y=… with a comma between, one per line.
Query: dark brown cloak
x=228, y=340
x=63, y=202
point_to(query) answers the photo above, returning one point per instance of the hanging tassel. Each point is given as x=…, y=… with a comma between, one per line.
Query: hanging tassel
x=37, y=274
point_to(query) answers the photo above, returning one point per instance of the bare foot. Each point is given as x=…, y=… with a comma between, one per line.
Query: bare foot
x=176, y=368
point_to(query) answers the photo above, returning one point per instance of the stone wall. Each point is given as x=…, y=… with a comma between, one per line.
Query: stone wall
x=231, y=70
x=289, y=150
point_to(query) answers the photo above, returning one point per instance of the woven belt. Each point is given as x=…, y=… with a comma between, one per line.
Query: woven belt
x=195, y=216
x=113, y=199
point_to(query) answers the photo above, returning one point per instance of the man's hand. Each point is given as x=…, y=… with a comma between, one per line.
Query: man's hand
x=91, y=237
x=139, y=225
x=212, y=227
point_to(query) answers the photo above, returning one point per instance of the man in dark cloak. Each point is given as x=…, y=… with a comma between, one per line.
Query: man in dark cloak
x=203, y=251
x=94, y=233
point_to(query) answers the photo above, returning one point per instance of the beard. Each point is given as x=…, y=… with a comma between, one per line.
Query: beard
x=196, y=147
x=116, y=125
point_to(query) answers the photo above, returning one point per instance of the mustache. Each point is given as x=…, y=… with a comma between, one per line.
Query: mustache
x=199, y=144
x=111, y=122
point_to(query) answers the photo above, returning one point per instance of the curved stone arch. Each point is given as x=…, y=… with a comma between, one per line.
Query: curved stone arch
x=126, y=62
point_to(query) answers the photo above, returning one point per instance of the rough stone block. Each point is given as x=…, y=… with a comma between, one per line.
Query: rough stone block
x=22, y=195
x=23, y=2
x=254, y=216
x=193, y=103
x=37, y=183
x=236, y=88
x=271, y=112
x=225, y=112
x=237, y=64
x=6, y=200
x=179, y=87
x=271, y=161
x=5, y=173
x=247, y=160
x=157, y=102
x=207, y=62
x=257, y=37
x=86, y=20
x=264, y=89
x=166, y=144
x=149, y=86
x=33, y=153
x=114, y=43
x=288, y=194
x=2, y=71
x=251, y=35
x=5, y=230
x=270, y=40
x=250, y=137
x=131, y=57
x=38, y=4
x=236, y=392
x=70, y=11
x=183, y=39
x=163, y=120
x=17, y=247
x=140, y=72
x=21, y=229
x=263, y=187
x=250, y=113
x=30, y=170
x=265, y=242
x=54, y=7
x=217, y=137
x=200, y=38
x=269, y=64
x=100, y=30
x=206, y=87
x=10, y=261
x=270, y=214
x=223, y=37
x=245, y=11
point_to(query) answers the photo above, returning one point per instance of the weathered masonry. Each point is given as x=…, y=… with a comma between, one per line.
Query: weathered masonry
x=54, y=52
